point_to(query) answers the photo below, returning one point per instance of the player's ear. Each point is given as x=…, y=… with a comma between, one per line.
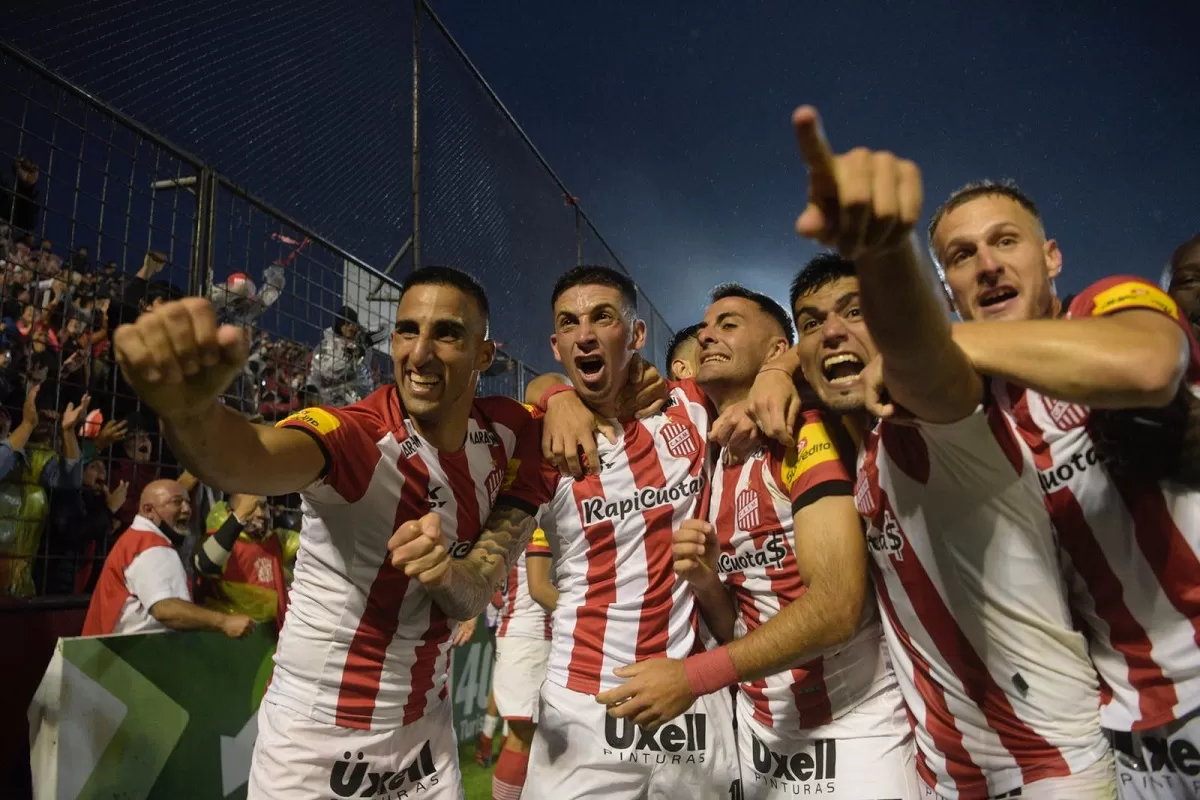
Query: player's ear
x=638, y=340
x=778, y=347
x=554, y=347
x=1054, y=258
x=487, y=354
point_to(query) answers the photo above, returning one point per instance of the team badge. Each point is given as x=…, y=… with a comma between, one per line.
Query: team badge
x=1064, y=415
x=746, y=509
x=679, y=439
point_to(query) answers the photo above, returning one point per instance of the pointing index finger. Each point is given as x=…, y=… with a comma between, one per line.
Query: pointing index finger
x=810, y=135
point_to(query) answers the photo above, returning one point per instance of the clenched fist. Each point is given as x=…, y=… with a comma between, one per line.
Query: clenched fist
x=417, y=548
x=177, y=359
x=862, y=202
x=695, y=550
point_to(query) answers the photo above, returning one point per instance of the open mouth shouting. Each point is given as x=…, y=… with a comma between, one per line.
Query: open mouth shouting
x=592, y=370
x=842, y=369
x=997, y=299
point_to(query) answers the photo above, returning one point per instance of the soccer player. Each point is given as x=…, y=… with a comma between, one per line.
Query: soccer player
x=619, y=601
x=995, y=676
x=817, y=693
x=1183, y=280
x=682, y=353
x=357, y=704
x=1130, y=544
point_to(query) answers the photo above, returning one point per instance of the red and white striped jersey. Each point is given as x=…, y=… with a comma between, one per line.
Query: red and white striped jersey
x=521, y=616
x=1131, y=548
x=752, y=508
x=363, y=645
x=974, y=608
x=619, y=601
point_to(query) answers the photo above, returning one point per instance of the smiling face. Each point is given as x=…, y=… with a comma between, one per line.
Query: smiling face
x=835, y=345
x=438, y=348
x=736, y=338
x=595, y=336
x=997, y=261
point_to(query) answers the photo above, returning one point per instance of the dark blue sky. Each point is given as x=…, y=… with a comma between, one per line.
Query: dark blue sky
x=670, y=119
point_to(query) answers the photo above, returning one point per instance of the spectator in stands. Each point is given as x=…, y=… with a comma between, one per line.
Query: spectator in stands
x=82, y=518
x=136, y=468
x=143, y=586
x=683, y=352
x=13, y=446
x=19, y=197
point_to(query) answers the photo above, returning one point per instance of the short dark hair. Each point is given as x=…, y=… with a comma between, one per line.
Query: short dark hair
x=678, y=340
x=597, y=276
x=821, y=270
x=985, y=188
x=449, y=276
x=769, y=306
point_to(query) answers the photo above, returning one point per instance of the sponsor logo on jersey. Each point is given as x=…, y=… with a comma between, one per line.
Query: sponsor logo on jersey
x=769, y=555
x=1064, y=415
x=318, y=419
x=746, y=508
x=1060, y=475
x=888, y=538
x=600, y=509
x=816, y=764
x=353, y=777
x=1133, y=294
x=1161, y=756
x=684, y=740
x=433, y=497
x=813, y=447
x=484, y=437
x=679, y=439
x=409, y=447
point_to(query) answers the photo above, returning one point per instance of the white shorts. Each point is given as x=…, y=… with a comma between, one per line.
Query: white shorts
x=297, y=758
x=1162, y=762
x=581, y=752
x=834, y=760
x=518, y=676
x=1097, y=782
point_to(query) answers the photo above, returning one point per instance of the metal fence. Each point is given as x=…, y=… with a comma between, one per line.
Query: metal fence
x=364, y=121
x=364, y=143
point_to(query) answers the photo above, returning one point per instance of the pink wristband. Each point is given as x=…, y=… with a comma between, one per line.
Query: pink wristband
x=710, y=672
x=556, y=389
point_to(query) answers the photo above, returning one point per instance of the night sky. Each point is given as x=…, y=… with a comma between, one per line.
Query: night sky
x=670, y=120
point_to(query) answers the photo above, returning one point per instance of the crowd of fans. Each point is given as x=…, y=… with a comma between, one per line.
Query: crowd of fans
x=61, y=510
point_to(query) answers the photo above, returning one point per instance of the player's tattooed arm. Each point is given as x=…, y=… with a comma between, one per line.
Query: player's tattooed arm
x=462, y=587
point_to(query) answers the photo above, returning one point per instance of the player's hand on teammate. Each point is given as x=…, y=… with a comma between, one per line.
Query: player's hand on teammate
x=878, y=403
x=177, y=359
x=417, y=548
x=464, y=632
x=695, y=551
x=737, y=433
x=237, y=626
x=656, y=692
x=646, y=394
x=862, y=202
x=774, y=403
x=569, y=435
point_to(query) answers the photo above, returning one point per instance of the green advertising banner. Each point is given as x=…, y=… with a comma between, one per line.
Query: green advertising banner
x=173, y=714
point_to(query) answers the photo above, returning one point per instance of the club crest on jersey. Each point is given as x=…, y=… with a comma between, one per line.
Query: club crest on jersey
x=679, y=439
x=864, y=498
x=769, y=555
x=1064, y=415
x=746, y=509
x=494, y=480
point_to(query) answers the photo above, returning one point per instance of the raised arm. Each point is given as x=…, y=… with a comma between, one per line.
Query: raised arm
x=866, y=203
x=180, y=362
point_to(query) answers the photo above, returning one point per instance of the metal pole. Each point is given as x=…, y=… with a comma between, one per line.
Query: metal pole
x=416, y=135
x=200, y=229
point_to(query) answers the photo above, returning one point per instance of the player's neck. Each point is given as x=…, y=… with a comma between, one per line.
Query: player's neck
x=725, y=396
x=446, y=431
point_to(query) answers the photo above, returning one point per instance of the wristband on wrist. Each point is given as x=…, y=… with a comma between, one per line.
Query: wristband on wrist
x=710, y=672
x=553, y=391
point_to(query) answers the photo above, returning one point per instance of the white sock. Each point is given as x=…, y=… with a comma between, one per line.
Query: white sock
x=489, y=725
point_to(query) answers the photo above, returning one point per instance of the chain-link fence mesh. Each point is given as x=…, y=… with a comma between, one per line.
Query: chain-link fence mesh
x=303, y=102
x=260, y=156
